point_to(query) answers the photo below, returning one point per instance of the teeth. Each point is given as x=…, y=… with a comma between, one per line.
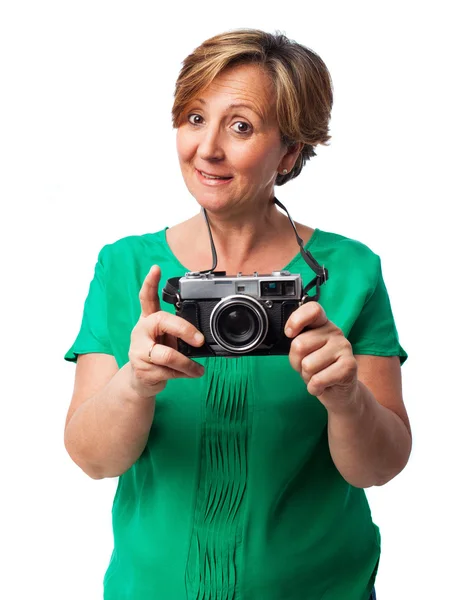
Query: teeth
x=211, y=176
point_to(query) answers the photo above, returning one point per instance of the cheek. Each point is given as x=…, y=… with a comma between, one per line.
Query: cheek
x=253, y=160
x=184, y=147
x=260, y=162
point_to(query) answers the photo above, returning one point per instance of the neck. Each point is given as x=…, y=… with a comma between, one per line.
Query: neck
x=239, y=238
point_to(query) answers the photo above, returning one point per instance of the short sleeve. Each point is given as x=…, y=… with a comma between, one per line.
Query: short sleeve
x=374, y=331
x=93, y=334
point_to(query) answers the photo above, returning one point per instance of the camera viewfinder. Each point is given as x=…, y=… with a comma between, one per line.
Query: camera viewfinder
x=271, y=288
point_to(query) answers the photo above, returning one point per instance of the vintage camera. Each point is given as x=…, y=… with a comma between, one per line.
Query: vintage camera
x=238, y=315
x=243, y=314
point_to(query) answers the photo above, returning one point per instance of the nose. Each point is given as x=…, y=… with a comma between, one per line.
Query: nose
x=209, y=144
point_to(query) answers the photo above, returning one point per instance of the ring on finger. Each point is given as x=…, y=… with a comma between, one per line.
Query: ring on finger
x=150, y=351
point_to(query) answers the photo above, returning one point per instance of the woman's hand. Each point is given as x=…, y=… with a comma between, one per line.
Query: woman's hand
x=153, y=353
x=323, y=357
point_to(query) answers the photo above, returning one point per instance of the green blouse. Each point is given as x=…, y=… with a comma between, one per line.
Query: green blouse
x=235, y=495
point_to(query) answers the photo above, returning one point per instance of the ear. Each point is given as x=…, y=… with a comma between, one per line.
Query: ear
x=289, y=159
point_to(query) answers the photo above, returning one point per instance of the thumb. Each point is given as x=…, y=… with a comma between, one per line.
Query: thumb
x=149, y=292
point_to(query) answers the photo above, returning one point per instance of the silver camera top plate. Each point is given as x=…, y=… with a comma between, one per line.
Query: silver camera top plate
x=279, y=285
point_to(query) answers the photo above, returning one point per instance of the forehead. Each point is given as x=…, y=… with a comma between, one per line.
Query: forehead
x=243, y=83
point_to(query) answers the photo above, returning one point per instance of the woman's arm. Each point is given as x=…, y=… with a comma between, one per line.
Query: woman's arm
x=370, y=438
x=368, y=429
x=111, y=413
x=108, y=424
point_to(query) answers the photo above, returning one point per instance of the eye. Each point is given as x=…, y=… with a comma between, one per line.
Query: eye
x=194, y=119
x=243, y=127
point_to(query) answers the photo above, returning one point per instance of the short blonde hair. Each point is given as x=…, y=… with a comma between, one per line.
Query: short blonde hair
x=302, y=82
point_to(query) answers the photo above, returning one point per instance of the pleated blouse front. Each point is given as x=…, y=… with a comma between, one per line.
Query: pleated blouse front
x=236, y=496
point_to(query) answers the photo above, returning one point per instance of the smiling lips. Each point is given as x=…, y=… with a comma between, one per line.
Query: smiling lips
x=206, y=174
x=211, y=178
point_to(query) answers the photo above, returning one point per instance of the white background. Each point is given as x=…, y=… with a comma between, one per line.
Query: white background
x=88, y=156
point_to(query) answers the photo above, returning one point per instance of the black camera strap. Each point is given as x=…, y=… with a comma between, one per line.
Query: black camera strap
x=171, y=292
x=322, y=275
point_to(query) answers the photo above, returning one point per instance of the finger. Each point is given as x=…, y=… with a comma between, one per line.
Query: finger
x=304, y=344
x=316, y=362
x=310, y=315
x=340, y=375
x=164, y=356
x=149, y=292
x=162, y=322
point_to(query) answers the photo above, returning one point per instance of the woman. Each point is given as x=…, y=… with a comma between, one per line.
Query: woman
x=241, y=477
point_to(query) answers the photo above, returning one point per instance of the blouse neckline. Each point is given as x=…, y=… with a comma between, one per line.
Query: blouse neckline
x=287, y=267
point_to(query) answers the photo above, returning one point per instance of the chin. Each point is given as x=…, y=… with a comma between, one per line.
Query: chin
x=214, y=202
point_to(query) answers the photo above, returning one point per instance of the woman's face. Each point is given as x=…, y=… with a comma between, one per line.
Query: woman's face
x=230, y=130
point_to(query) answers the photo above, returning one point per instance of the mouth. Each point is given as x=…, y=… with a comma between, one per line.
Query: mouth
x=212, y=175
x=211, y=178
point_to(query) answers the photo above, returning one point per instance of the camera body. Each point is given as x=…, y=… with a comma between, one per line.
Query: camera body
x=239, y=315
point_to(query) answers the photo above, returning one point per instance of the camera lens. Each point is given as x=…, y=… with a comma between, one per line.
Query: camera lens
x=239, y=323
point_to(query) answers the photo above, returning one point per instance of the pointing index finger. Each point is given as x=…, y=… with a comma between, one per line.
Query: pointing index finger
x=149, y=292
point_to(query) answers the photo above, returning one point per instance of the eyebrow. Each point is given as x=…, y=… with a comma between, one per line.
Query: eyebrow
x=239, y=105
